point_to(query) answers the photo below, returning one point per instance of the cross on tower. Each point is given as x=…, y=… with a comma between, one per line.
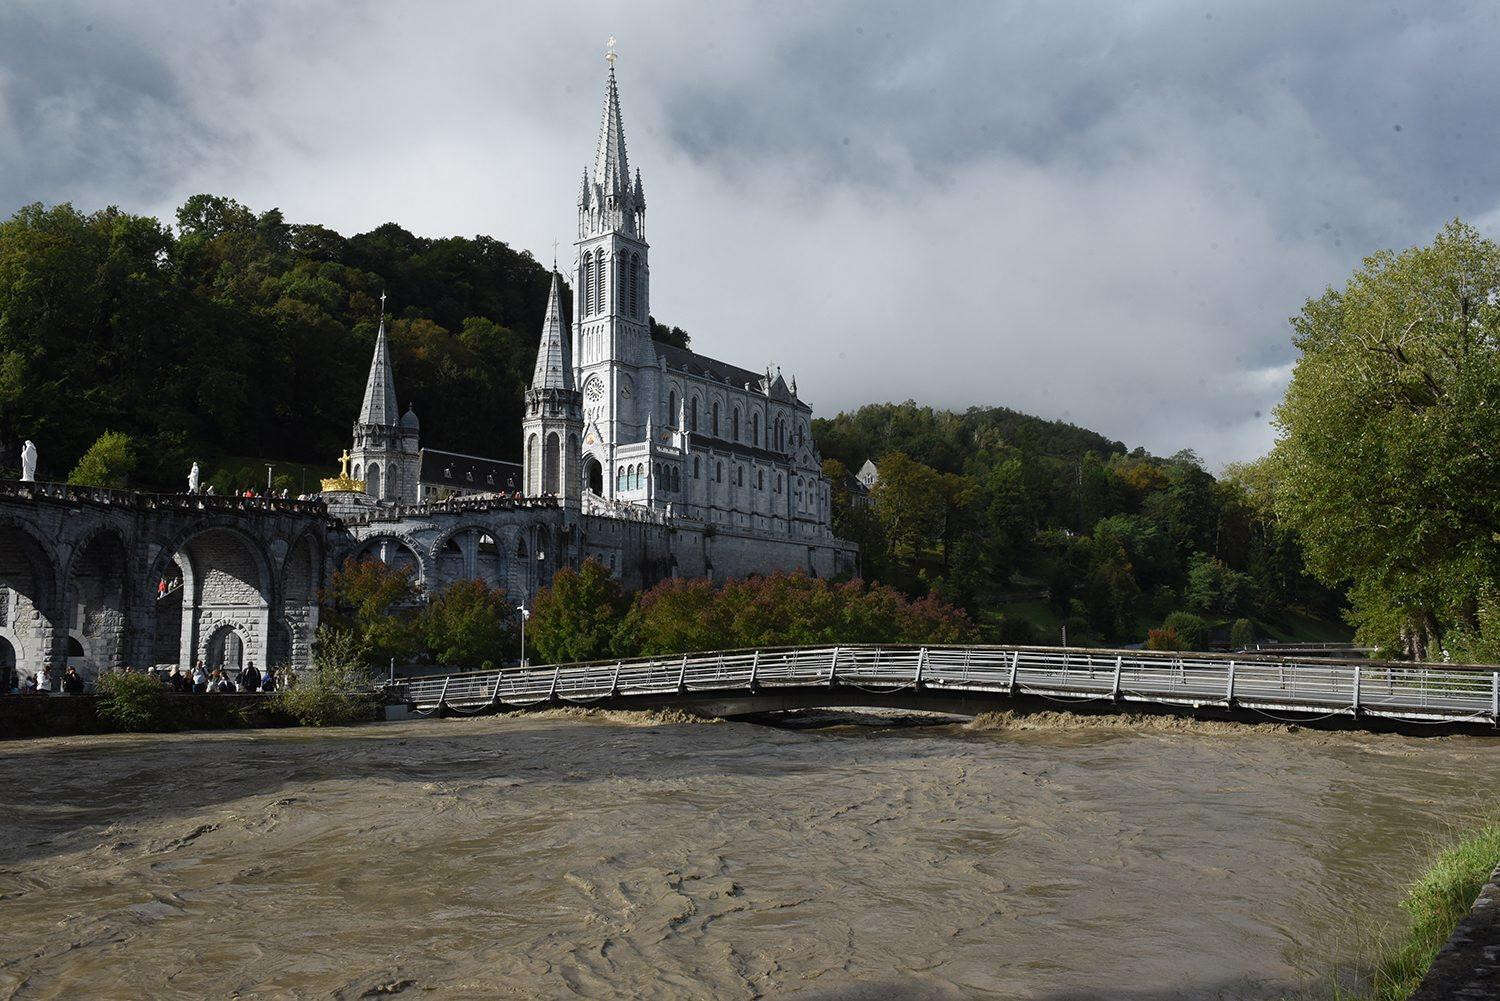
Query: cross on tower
x=610, y=55
x=344, y=459
x=382, y=302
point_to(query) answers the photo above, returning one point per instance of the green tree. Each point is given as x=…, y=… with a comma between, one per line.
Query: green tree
x=109, y=462
x=581, y=616
x=377, y=606
x=1387, y=465
x=912, y=500
x=469, y=625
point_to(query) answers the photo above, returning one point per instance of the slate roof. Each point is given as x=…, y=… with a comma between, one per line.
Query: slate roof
x=469, y=472
x=379, y=406
x=692, y=363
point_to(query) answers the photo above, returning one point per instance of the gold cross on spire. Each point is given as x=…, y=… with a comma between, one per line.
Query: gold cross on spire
x=610, y=55
x=344, y=459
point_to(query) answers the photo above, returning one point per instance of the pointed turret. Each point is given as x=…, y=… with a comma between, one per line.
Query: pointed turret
x=554, y=365
x=379, y=406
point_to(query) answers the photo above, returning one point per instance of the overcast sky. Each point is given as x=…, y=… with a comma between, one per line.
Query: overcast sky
x=1098, y=211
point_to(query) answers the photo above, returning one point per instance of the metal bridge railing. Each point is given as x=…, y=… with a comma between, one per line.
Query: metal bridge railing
x=1417, y=692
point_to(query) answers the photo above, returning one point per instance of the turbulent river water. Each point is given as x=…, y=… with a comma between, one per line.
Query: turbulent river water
x=561, y=855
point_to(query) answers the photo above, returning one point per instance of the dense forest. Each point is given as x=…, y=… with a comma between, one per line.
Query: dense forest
x=1038, y=526
x=236, y=333
x=232, y=337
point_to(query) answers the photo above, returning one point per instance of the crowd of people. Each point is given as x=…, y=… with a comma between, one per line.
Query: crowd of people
x=198, y=680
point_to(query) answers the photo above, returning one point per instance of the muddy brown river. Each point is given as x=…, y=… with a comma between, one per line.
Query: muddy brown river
x=562, y=855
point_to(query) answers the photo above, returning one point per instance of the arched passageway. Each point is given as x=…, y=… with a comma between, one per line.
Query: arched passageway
x=395, y=553
x=594, y=476
x=30, y=619
x=225, y=583
x=96, y=605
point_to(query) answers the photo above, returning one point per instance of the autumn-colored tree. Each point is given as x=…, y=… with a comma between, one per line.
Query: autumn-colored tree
x=378, y=605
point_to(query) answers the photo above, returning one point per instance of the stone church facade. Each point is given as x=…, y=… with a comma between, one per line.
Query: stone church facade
x=651, y=458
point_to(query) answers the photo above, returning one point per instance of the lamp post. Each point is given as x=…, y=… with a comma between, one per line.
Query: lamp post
x=525, y=614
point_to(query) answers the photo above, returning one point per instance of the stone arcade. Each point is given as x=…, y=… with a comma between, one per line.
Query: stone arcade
x=654, y=460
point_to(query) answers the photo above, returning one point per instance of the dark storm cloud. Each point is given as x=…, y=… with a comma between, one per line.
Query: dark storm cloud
x=1352, y=120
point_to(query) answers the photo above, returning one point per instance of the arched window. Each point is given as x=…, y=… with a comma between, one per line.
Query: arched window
x=601, y=268
x=693, y=414
x=755, y=429
x=778, y=483
x=695, y=468
x=714, y=424
x=718, y=472
x=585, y=298
x=739, y=476
x=760, y=479
x=635, y=285
x=672, y=409
x=734, y=425
x=676, y=480
x=620, y=479
x=372, y=480
x=640, y=475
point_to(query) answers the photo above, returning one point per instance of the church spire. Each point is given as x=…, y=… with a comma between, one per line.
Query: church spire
x=611, y=167
x=554, y=367
x=379, y=406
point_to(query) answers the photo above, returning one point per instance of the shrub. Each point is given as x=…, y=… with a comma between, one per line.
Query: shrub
x=1242, y=634
x=1163, y=639
x=109, y=462
x=338, y=691
x=467, y=624
x=134, y=703
x=1191, y=631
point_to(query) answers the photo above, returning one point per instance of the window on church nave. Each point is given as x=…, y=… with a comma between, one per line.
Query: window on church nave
x=695, y=468
x=739, y=476
x=672, y=409
x=778, y=483
x=676, y=480
x=693, y=414
x=760, y=479
x=734, y=425
x=714, y=426
x=718, y=472
x=755, y=429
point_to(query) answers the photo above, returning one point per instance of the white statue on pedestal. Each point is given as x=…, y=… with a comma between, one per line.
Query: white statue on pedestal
x=28, y=462
x=193, y=479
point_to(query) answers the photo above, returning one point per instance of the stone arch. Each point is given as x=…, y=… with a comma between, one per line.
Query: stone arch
x=372, y=480
x=301, y=580
x=226, y=648
x=593, y=473
x=552, y=464
x=394, y=550
x=8, y=675
x=97, y=601
x=30, y=618
x=227, y=580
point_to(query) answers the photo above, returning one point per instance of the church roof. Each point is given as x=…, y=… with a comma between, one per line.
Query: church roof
x=692, y=363
x=611, y=168
x=379, y=406
x=554, y=367
x=468, y=472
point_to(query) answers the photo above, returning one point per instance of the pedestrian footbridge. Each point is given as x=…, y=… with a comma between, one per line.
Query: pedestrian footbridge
x=973, y=679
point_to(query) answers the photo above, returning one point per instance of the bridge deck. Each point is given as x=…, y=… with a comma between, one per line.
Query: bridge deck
x=1301, y=688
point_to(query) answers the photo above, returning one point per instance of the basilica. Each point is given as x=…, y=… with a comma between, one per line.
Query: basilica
x=619, y=426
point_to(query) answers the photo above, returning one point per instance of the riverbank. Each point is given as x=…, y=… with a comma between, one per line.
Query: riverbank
x=1441, y=899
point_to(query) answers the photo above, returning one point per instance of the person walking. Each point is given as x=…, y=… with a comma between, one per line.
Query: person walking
x=249, y=678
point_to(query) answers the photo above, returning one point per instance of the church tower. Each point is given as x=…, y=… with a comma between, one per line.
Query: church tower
x=385, y=446
x=554, y=414
x=616, y=366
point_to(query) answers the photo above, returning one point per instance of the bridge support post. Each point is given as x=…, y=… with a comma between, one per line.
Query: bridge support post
x=614, y=683
x=552, y=693
x=1229, y=690
x=1114, y=691
x=495, y=695
x=1015, y=662
x=916, y=682
x=833, y=667
x=754, y=667
x=1495, y=699
x=682, y=675
x=441, y=709
x=1354, y=707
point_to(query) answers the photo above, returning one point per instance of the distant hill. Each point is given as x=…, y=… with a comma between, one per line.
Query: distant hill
x=945, y=439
